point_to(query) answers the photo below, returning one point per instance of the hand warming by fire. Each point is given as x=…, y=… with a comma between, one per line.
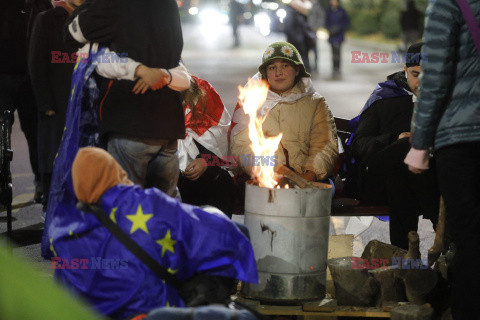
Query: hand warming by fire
x=252, y=97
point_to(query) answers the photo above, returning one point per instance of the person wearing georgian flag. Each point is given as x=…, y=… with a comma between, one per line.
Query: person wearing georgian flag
x=203, y=180
x=309, y=142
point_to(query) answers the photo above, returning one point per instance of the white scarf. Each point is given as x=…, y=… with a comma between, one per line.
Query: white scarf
x=241, y=119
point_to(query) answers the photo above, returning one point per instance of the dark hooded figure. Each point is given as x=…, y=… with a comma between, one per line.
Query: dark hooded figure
x=380, y=144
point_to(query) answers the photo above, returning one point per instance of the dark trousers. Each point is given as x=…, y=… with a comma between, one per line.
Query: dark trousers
x=215, y=187
x=236, y=37
x=16, y=93
x=408, y=195
x=336, y=56
x=458, y=168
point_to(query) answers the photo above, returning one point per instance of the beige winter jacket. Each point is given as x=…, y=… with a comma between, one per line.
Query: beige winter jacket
x=309, y=135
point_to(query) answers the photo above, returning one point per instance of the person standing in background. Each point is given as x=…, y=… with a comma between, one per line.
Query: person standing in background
x=15, y=88
x=235, y=16
x=51, y=62
x=337, y=22
x=411, y=22
x=297, y=30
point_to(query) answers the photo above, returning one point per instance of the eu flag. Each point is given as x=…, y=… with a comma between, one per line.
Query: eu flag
x=80, y=131
x=185, y=239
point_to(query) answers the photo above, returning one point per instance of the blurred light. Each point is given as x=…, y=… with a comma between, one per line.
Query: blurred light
x=322, y=34
x=273, y=6
x=270, y=5
x=179, y=3
x=211, y=22
x=262, y=22
x=194, y=3
x=193, y=11
x=281, y=14
x=257, y=2
x=286, y=1
x=247, y=15
x=212, y=17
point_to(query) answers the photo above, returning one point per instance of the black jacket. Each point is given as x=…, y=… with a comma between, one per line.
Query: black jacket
x=16, y=19
x=148, y=32
x=51, y=62
x=382, y=123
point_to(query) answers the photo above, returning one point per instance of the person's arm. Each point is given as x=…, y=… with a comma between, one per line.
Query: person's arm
x=115, y=67
x=156, y=78
x=39, y=61
x=345, y=21
x=439, y=65
x=323, y=151
x=124, y=68
x=417, y=160
x=180, y=78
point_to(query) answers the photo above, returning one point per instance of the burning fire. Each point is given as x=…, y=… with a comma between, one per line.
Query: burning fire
x=252, y=97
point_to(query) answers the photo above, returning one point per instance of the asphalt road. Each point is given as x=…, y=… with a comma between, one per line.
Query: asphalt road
x=208, y=54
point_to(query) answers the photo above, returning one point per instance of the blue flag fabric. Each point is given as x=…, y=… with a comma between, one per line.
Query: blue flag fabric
x=184, y=239
x=383, y=90
x=80, y=131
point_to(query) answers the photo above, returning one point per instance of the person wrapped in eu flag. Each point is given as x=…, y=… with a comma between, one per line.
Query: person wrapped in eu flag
x=184, y=239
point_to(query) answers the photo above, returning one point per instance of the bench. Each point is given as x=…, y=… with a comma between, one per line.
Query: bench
x=343, y=206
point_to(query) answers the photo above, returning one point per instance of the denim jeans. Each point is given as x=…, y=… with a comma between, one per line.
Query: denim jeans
x=148, y=163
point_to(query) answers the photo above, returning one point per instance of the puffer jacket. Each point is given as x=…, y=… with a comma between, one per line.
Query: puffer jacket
x=309, y=135
x=448, y=110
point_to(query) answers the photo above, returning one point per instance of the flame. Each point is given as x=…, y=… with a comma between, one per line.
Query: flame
x=252, y=97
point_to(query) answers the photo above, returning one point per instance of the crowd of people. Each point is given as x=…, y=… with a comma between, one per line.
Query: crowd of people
x=130, y=137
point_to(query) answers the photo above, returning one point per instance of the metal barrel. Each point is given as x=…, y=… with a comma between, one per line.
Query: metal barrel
x=289, y=234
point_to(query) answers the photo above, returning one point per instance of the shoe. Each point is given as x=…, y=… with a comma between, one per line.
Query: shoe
x=38, y=196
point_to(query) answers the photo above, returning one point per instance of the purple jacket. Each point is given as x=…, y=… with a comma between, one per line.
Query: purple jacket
x=336, y=23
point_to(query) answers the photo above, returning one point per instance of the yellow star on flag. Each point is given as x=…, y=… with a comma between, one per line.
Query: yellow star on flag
x=169, y=306
x=172, y=271
x=112, y=214
x=52, y=249
x=139, y=220
x=167, y=243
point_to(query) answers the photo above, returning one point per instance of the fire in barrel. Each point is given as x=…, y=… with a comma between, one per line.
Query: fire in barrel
x=287, y=216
